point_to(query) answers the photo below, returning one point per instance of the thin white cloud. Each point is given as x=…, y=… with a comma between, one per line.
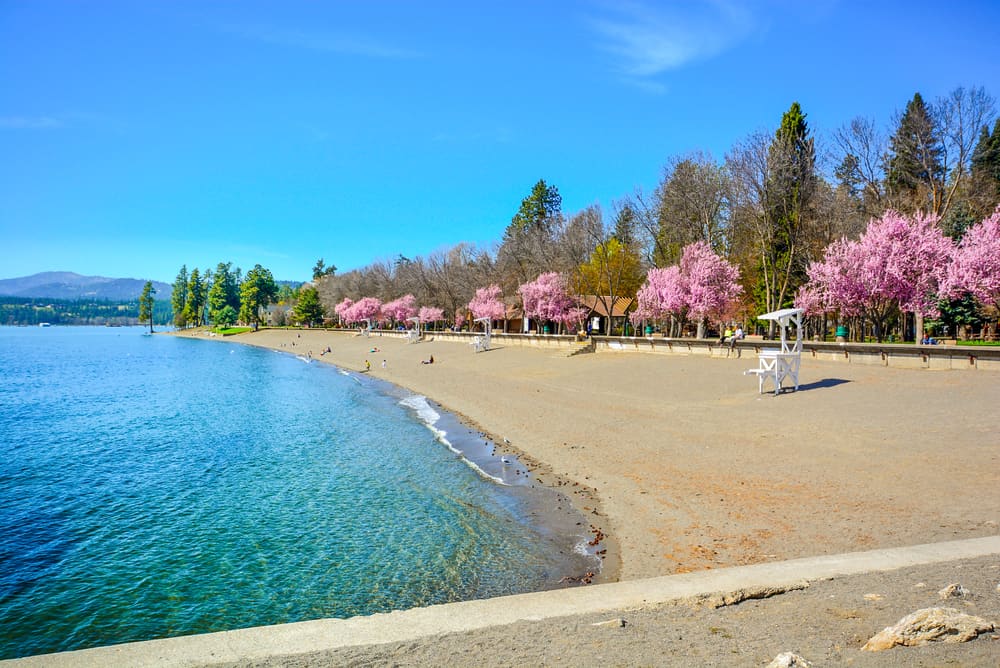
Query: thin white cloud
x=354, y=45
x=651, y=39
x=30, y=122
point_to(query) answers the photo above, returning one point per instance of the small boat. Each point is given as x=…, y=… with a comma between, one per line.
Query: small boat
x=44, y=324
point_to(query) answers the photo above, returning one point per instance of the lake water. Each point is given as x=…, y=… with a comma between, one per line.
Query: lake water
x=154, y=486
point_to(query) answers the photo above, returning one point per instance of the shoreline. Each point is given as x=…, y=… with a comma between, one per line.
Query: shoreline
x=685, y=467
x=551, y=509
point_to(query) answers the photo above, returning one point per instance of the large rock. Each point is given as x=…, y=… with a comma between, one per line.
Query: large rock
x=789, y=660
x=929, y=625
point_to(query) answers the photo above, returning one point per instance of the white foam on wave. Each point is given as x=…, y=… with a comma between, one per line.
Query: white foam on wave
x=342, y=372
x=585, y=549
x=304, y=359
x=426, y=414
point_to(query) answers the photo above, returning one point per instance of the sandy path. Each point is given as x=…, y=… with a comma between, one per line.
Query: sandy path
x=692, y=469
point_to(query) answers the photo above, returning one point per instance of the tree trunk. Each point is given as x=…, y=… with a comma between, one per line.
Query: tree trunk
x=701, y=329
x=918, y=327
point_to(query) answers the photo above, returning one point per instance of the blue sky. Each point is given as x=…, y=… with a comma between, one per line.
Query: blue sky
x=139, y=136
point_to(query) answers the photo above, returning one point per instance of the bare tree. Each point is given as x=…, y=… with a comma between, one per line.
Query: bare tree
x=960, y=117
x=861, y=151
x=691, y=205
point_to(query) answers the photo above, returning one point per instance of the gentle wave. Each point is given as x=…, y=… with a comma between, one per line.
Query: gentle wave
x=429, y=417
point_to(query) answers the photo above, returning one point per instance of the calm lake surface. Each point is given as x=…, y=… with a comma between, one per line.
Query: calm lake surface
x=154, y=486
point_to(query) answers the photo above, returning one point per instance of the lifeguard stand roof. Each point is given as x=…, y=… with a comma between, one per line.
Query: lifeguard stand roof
x=781, y=315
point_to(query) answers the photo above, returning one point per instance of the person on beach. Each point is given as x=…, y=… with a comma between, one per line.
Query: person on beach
x=368, y=366
x=428, y=361
x=383, y=364
x=738, y=334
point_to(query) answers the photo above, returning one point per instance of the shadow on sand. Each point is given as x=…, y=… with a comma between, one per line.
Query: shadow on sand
x=820, y=384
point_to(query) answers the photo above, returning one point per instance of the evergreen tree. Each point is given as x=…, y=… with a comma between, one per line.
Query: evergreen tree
x=320, y=270
x=309, y=310
x=178, y=297
x=225, y=292
x=626, y=225
x=257, y=290
x=146, y=304
x=791, y=185
x=537, y=209
x=195, y=305
x=915, y=171
x=986, y=172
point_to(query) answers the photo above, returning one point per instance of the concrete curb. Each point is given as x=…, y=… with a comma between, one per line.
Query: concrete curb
x=404, y=625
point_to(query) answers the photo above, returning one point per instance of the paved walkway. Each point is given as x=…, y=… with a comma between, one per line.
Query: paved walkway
x=406, y=625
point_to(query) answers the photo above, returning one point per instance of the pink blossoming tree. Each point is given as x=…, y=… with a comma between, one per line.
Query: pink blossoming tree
x=703, y=286
x=341, y=308
x=547, y=298
x=663, y=295
x=574, y=317
x=976, y=265
x=712, y=284
x=429, y=314
x=896, y=265
x=488, y=304
x=366, y=308
x=398, y=310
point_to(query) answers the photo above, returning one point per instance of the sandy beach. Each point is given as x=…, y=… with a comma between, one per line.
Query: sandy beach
x=686, y=467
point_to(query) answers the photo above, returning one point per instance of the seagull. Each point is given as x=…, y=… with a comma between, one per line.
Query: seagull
x=506, y=460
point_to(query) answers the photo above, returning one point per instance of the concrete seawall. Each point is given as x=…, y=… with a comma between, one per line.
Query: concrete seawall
x=289, y=640
x=900, y=355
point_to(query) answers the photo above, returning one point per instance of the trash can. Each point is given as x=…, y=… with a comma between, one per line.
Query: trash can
x=649, y=330
x=841, y=334
x=546, y=330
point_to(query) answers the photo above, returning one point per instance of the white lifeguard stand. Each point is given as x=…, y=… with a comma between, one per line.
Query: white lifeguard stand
x=782, y=363
x=413, y=335
x=482, y=342
x=367, y=329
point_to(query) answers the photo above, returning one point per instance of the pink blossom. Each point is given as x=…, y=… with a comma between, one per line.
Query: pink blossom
x=398, y=310
x=546, y=298
x=703, y=285
x=976, y=266
x=342, y=307
x=897, y=264
x=664, y=293
x=488, y=304
x=366, y=308
x=430, y=314
x=712, y=282
x=574, y=317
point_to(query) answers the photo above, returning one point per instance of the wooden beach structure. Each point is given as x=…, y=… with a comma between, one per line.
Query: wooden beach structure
x=778, y=364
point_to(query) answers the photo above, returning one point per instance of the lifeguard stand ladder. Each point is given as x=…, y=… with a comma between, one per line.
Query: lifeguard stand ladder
x=782, y=363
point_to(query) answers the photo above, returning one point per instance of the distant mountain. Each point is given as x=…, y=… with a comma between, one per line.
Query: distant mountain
x=67, y=285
